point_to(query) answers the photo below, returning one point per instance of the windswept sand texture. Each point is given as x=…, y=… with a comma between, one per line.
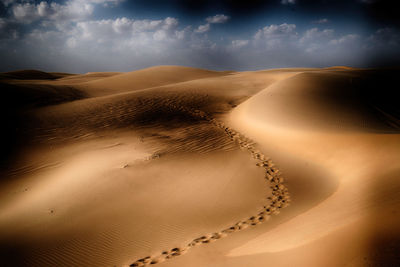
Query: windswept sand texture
x=134, y=169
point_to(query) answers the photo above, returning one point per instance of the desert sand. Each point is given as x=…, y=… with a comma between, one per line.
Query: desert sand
x=177, y=166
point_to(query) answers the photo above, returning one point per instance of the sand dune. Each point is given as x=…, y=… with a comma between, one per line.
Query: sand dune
x=330, y=100
x=119, y=169
x=32, y=75
x=306, y=127
x=81, y=78
x=146, y=78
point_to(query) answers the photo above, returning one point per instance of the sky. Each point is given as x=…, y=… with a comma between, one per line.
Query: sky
x=81, y=36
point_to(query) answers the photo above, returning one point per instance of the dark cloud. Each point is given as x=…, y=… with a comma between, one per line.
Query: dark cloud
x=384, y=11
x=233, y=7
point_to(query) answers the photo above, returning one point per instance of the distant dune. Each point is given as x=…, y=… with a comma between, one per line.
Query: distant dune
x=32, y=75
x=107, y=169
x=345, y=100
x=146, y=78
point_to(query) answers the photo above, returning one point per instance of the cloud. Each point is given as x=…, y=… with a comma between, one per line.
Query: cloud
x=104, y=2
x=203, y=28
x=27, y=12
x=276, y=35
x=383, y=47
x=110, y=40
x=170, y=23
x=276, y=30
x=346, y=39
x=385, y=37
x=124, y=28
x=119, y=44
x=239, y=43
x=288, y=2
x=69, y=36
x=219, y=18
x=317, y=35
x=320, y=21
x=282, y=45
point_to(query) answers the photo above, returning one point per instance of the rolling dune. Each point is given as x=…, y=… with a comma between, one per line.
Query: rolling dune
x=146, y=78
x=132, y=169
x=331, y=100
x=343, y=134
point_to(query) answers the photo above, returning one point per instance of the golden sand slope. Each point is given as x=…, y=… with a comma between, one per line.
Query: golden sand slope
x=117, y=174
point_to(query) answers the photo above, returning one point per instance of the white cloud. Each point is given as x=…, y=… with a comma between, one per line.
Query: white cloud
x=317, y=35
x=219, y=18
x=317, y=41
x=348, y=38
x=273, y=36
x=239, y=43
x=27, y=12
x=71, y=10
x=126, y=28
x=120, y=43
x=287, y=2
x=42, y=9
x=283, y=46
x=275, y=31
x=182, y=34
x=170, y=23
x=160, y=35
x=203, y=28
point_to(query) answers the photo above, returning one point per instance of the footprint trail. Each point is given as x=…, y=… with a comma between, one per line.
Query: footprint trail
x=280, y=196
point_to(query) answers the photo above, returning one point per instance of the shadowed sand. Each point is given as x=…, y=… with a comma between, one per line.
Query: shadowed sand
x=119, y=169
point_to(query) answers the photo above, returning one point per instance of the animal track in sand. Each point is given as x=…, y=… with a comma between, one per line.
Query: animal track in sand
x=280, y=196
